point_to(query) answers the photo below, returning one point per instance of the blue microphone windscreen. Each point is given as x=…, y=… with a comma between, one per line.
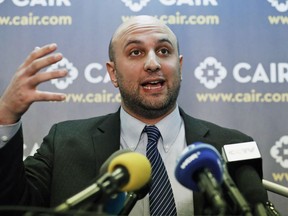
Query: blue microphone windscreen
x=115, y=204
x=194, y=158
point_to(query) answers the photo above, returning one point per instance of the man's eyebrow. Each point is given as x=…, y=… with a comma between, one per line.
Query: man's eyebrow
x=135, y=41
x=132, y=42
x=163, y=40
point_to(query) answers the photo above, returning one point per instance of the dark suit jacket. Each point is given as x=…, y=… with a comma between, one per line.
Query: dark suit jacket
x=72, y=153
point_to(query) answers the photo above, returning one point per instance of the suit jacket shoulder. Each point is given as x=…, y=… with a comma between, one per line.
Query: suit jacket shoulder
x=210, y=133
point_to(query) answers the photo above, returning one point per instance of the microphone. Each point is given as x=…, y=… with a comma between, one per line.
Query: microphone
x=126, y=172
x=238, y=154
x=200, y=168
x=122, y=204
x=114, y=204
x=104, y=168
x=133, y=197
x=237, y=203
x=244, y=164
x=275, y=188
x=250, y=185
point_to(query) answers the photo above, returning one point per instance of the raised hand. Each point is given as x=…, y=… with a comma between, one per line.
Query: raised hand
x=22, y=90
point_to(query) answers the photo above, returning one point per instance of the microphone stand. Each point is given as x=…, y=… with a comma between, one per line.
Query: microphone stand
x=129, y=203
x=133, y=197
x=213, y=193
x=238, y=202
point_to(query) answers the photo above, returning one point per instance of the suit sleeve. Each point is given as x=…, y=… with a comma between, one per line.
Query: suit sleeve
x=25, y=183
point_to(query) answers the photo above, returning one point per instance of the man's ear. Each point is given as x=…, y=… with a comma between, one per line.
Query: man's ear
x=181, y=63
x=110, y=66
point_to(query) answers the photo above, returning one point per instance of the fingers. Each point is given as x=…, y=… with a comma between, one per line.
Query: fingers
x=39, y=52
x=42, y=62
x=40, y=58
x=46, y=76
x=49, y=96
x=22, y=90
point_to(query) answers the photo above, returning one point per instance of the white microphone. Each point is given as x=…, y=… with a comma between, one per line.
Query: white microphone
x=275, y=188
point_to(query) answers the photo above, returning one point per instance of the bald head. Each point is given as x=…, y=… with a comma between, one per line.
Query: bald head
x=139, y=23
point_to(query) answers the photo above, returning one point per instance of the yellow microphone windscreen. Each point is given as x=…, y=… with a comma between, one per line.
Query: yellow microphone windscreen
x=138, y=167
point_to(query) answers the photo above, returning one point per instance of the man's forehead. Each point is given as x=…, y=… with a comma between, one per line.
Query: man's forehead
x=139, y=21
x=143, y=24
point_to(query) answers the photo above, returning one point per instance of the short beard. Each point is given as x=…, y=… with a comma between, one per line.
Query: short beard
x=142, y=107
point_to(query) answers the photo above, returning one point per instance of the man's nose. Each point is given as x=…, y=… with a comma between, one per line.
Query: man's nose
x=152, y=63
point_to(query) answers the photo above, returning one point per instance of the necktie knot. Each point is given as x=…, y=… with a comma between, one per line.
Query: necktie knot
x=153, y=133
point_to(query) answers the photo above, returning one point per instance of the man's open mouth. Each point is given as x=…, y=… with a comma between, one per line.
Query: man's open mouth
x=153, y=84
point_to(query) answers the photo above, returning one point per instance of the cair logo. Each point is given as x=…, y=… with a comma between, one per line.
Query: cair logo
x=280, y=151
x=68, y=80
x=94, y=73
x=210, y=72
x=280, y=6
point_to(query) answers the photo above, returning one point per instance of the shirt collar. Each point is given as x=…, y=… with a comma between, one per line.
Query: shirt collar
x=170, y=128
x=132, y=128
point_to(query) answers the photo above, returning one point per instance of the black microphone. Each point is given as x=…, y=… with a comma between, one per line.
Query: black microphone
x=236, y=202
x=126, y=172
x=250, y=184
x=200, y=168
x=244, y=164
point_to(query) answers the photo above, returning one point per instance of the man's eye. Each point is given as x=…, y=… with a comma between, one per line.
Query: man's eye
x=164, y=51
x=135, y=53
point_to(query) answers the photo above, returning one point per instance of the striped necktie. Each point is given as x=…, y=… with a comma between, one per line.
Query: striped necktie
x=160, y=195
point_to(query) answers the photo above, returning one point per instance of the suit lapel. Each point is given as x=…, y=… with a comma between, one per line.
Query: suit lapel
x=106, y=139
x=194, y=130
